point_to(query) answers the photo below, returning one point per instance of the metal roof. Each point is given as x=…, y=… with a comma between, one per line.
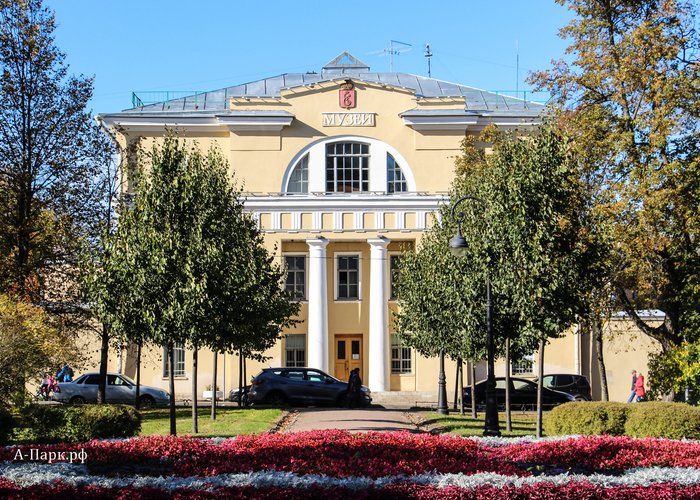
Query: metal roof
x=345, y=66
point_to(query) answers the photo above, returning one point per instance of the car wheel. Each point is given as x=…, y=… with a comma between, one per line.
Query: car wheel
x=342, y=400
x=276, y=399
x=146, y=402
x=580, y=398
x=77, y=400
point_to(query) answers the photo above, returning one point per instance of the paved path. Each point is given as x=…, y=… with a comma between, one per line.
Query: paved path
x=356, y=420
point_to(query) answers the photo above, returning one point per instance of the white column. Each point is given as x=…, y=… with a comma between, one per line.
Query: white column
x=378, y=325
x=317, y=338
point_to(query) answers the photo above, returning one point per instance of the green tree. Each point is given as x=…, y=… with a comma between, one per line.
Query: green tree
x=629, y=98
x=532, y=233
x=187, y=265
x=52, y=157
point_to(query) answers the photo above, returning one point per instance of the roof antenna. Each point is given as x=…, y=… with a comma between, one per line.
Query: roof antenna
x=395, y=52
x=428, y=54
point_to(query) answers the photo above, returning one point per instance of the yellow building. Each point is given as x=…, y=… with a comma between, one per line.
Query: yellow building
x=342, y=169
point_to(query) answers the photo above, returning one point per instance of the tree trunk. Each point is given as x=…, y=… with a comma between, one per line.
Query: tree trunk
x=104, y=357
x=213, y=385
x=597, y=331
x=171, y=377
x=240, y=378
x=245, y=378
x=195, y=426
x=509, y=423
x=461, y=387
x=540, y=374
x=473, y=387
x=457, y=398
x=137, y=396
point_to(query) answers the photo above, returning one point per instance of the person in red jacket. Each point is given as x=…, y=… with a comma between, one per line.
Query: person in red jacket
x=639, y=388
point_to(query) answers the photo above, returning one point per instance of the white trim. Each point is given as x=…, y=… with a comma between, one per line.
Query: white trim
x=317, y=320
x=377, y=164
x=242, y=122
x=337, y=222
x=379, y=341
x=335, y=277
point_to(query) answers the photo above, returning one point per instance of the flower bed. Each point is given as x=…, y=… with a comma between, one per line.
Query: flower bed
x=390, y=465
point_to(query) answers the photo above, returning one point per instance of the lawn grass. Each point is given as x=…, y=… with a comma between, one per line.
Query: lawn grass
x=523, y=424
x=229, y=421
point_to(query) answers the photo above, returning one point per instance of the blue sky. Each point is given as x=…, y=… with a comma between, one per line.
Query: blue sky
x=178, y=45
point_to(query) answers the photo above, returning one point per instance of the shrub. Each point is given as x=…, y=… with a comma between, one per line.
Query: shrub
x=663, y=420
x=6, y=424
x=588, y=418
x=53, y=424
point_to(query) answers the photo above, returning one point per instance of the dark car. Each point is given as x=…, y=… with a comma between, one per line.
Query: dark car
x=235, y=395
x=576, y=385
x=523, y=395
x=303, y=386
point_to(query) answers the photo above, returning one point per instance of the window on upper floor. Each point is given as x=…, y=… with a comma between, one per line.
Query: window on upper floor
x=295, y=282
x=348, y=277
x=395, y=180
x=347, y=167
x=393, y=275
x=299, y=180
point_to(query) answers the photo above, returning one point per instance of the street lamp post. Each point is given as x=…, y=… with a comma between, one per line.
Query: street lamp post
x=458, y=247
x=442, y=387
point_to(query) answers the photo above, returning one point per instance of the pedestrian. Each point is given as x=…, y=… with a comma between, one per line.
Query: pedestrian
x=46, y=383
x=639, y=388
x=354, y=387
x=633, y=395
x=65, y=374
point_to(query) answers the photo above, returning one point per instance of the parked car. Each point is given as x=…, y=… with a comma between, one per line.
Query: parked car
x=279, y=386
x=523, y=395
x=576, y=385
x=119, y=389
x=234, y=395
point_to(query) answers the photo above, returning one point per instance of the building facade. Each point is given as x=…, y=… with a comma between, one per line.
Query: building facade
x=342, y=169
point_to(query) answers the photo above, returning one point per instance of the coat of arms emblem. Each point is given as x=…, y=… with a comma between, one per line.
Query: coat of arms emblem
x=347, y=95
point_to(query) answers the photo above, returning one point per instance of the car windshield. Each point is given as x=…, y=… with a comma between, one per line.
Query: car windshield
x=128, y=380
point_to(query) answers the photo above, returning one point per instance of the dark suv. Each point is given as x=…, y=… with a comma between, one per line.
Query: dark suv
x=279, y=386
x=576, y=385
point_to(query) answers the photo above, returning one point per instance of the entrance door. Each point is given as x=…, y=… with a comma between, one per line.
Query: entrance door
x=348, y=355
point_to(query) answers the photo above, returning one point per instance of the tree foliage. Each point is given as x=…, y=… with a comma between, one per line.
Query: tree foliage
x=630, y=100
x=531, y=232
x=52, y=158
x=186, y=264
x=29, y=347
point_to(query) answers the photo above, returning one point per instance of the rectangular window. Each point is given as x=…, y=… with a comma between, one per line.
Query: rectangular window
x=178, y=361
x=401, y=356
x=295, y=350
x=393, y=275
x=348, y=277
x=295, y=282
x=523, y=365
x=347, y=167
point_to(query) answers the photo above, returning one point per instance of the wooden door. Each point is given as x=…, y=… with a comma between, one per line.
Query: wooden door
x=348, y=355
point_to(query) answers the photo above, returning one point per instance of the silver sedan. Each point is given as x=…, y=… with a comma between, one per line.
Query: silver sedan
x=120, y=389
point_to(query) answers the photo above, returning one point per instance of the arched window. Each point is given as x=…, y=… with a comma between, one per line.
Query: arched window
x=299, y=180
x=395, y=180
x=347, y=167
